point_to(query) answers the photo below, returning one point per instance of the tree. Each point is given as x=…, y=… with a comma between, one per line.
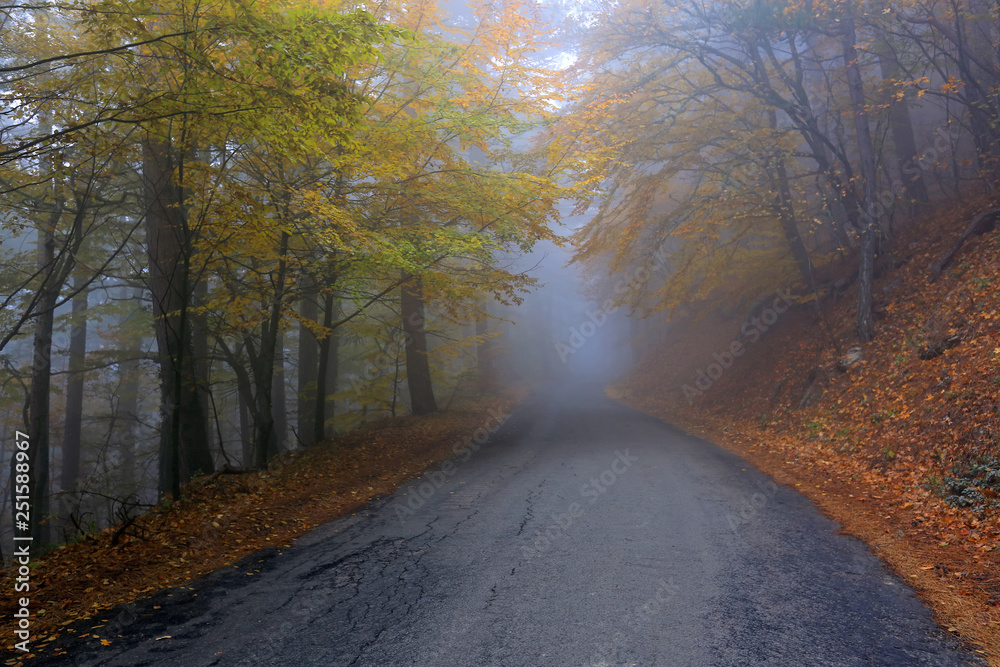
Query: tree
x=418, y=372
x=900, y=123
x=58, y=196
x=220, y=80
x=308, y=361
x=72, y=431
x=745, y=62
x=954, y=60
x=866, y=156
x=237, y=169
x=425, y=212
x=170, y=238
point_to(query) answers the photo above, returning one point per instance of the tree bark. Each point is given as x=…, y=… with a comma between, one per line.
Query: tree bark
x=202, y=362
x=128, y=400
x=328, y=349
x=785, y=207
x=73, y=425
x=246, y=436
x=263, y=426
x=901, y=126
x=184, y=448
x=869, y=211
x=278, y=397
x=332, y=375
x=308, y=365
x=41, y=382
x=418, y=370
x=976, y=45
x=981, y=224
x=263, y=362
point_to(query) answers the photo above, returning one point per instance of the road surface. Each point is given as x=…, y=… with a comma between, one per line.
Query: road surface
x=582, y=533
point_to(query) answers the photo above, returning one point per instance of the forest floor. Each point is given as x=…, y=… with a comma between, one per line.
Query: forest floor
x=222, y=519
x=902, y=450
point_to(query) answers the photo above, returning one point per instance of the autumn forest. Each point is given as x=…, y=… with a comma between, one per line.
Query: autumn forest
x=236, y=228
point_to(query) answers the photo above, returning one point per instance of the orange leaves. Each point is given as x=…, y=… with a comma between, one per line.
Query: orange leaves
x=890, y=440
x=952, y=85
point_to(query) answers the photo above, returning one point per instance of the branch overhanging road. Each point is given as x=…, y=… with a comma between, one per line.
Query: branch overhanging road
x=582, y=533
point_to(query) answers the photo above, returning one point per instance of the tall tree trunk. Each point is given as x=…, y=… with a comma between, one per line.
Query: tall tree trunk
x=328, y=349
x=869, y=206
x=332, y=374
x=247, y=398
x=39, y=396
x=308, y=365
x=789, y=225
x=263, y=363
x=39, y=407
x=901, y=126
x=977, y=45
x=73, y=425
x=128, y=400
x=418, y=369
x=263, y=426
x=246, y=435
x=202, y=363
x=184, y=448
x=785, y=207
x=814, y=73
x=278, y=397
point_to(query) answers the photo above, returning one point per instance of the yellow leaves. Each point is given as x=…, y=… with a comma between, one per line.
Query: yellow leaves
x=952, y=85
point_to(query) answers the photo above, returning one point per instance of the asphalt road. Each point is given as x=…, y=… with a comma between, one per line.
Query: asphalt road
x=581, y=533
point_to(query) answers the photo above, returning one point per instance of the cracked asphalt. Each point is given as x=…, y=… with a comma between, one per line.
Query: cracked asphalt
x=581, y=533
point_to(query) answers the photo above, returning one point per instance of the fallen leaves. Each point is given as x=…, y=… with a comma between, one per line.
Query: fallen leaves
x=174, y=544
x=892, y=441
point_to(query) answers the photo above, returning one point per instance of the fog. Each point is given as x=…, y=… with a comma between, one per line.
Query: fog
x=560, y=333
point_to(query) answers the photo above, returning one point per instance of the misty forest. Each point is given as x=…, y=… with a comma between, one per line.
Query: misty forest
x=234, y=230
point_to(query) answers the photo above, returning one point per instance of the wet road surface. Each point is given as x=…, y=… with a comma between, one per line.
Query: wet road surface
x=582, y=533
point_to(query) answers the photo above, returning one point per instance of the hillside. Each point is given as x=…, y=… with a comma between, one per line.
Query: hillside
x=903, y=447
